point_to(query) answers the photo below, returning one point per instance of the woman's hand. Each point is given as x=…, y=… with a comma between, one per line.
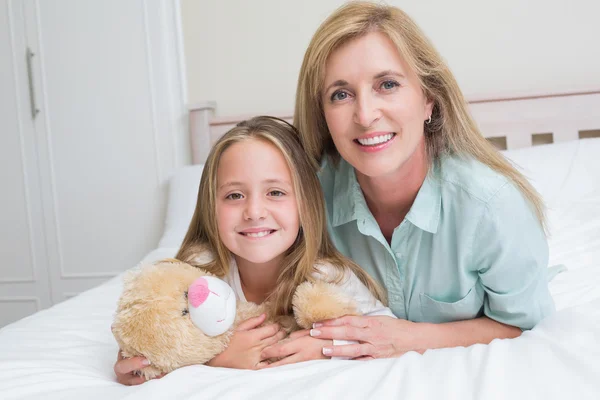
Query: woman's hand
x=247, y=343
x=299, y=347
x=377, y=336
x=127, y=369
x=382, y=336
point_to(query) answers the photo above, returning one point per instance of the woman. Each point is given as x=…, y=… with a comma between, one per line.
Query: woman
x=415, y=194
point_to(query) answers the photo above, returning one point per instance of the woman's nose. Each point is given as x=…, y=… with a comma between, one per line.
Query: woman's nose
x=255, y=209
x=366, y=111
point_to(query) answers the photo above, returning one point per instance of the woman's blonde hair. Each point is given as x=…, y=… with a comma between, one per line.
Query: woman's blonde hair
x=312, y=245
x=452, y=130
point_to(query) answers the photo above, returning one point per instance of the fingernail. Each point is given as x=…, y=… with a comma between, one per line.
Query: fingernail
x=327, y=351
x=315, y=332
x=146, y=361
x=317, y=325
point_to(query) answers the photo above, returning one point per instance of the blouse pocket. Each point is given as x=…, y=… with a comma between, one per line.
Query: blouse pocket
x=434, y=311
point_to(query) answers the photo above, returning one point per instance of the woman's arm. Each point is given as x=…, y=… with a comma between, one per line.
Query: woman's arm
x=510, y=255
x=382, y=336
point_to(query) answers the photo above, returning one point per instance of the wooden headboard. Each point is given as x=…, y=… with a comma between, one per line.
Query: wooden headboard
x=509, y=122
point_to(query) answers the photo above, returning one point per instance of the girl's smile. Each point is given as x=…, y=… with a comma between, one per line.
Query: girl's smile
x=257, y=233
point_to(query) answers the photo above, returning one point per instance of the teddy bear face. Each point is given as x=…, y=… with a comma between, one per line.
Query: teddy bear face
x=211, y=305
x=153, y=318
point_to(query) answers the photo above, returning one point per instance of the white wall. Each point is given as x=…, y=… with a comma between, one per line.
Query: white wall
x=246, y=55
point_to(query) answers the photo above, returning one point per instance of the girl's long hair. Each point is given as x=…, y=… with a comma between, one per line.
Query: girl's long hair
x=452, y=129
x=312, y=246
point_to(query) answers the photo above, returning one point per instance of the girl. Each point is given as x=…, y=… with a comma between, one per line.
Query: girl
x=415, y=194
x=260, y=225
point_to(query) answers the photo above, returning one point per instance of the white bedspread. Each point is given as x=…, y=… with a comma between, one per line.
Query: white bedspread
x=68, y=352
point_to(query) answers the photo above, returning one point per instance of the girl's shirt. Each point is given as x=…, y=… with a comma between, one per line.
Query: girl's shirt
x=470, y=245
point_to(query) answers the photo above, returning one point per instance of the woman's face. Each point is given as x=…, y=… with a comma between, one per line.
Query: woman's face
x=374, y=106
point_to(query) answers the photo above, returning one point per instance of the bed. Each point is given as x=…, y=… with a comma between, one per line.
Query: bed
x=68, y=352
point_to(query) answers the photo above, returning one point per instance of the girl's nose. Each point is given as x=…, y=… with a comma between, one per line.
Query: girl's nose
x=255, y=210
x=198, y=292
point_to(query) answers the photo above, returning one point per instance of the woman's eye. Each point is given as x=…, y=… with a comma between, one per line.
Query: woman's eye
x=339, y=96
x=276, y=193
x=234, y=196
x=388, y=85
x=185, y=312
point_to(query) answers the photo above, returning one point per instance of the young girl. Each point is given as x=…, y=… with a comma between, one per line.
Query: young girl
x=260, y=225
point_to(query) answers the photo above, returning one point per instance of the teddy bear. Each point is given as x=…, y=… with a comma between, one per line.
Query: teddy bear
x=176, y=314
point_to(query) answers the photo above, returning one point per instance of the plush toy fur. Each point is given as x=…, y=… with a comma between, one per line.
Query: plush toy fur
x=152, y=317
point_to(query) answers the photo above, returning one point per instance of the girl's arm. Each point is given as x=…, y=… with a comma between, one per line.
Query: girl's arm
x=243, y=351
x=126, y=370
x=247, y=343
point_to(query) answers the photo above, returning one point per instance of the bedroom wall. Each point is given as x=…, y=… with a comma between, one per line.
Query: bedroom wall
x=246, y=55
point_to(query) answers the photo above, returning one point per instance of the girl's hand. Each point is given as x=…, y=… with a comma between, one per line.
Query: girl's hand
x=378, y=336
x=127, y=369
x=299, y=347
x=247, y=343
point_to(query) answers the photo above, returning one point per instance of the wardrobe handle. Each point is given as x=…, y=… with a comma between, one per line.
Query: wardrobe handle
x=34, y=109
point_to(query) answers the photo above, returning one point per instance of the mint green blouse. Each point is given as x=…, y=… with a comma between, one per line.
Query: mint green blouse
x=470, y=245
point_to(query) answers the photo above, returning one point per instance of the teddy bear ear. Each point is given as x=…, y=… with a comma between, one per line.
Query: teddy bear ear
x=131, y=274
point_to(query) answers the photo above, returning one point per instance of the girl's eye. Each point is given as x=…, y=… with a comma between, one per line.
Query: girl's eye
x=185, y=312
x=276, y=193
x=340, y=95
x=388, y=85
x=234, y=196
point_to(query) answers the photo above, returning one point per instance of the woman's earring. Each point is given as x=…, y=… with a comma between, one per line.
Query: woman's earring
x=428, y=121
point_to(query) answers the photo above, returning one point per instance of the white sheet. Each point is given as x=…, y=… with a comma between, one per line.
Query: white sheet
x=67, y=351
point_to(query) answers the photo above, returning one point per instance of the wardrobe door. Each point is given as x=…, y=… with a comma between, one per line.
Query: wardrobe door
x=108, y=131
x=23, y=278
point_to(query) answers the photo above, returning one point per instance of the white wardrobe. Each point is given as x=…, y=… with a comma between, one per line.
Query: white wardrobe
x=92, y=123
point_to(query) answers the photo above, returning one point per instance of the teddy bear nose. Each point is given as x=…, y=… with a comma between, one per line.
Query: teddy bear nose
x=198, y=292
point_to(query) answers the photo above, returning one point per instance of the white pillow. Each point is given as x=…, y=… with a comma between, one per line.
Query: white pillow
x=561, y=172
x=181, y=203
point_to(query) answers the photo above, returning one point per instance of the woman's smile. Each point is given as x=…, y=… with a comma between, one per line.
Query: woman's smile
x=375, y=142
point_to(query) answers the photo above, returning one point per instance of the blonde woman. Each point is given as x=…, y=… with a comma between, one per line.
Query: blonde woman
x=260, y=224
x=415, y=195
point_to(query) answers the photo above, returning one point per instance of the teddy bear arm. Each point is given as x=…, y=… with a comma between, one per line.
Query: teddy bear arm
x=318, y=301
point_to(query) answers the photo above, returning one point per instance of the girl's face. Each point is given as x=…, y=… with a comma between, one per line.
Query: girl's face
x=257, y=212
x=374, y=106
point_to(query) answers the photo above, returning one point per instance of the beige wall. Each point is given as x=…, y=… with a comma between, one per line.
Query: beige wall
x=245, y=55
